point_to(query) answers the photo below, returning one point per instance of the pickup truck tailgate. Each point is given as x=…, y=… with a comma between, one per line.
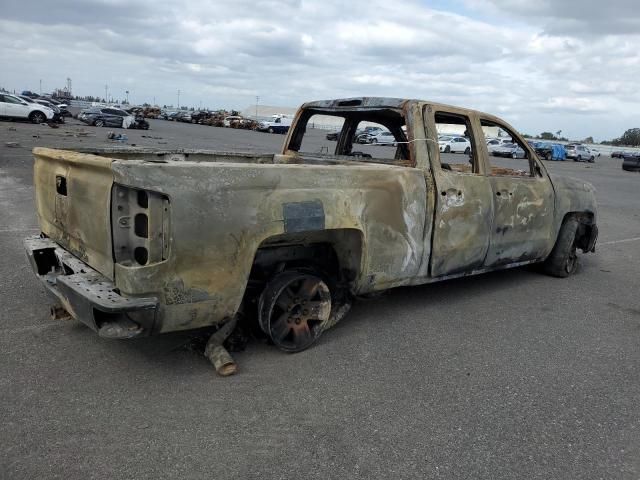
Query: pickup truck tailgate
x=73, y=199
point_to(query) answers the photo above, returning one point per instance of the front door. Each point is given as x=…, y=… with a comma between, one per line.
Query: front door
x=523, y=202
x=464, y=203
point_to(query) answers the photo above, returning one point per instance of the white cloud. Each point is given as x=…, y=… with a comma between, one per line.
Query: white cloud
x=542, y=65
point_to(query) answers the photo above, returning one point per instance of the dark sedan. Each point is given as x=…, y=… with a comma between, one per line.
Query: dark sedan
x=111, y=117
x=544, y=150
x=333, y=135
x=201, y=116
x=631, y=162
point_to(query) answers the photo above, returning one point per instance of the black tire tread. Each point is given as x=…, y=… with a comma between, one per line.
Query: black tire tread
x=554, y=265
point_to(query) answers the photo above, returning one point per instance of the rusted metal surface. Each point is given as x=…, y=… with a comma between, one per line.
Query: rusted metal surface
x=194, y=242
x=58, y=312
x=217, y=354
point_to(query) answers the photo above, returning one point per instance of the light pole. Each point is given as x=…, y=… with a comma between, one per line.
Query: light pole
x=257, y=100
x=106, y=93
x=40, y=87
x=178, y=99
x=127, y=92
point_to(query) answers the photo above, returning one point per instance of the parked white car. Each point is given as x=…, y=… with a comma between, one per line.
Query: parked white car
x=12, y=106
x=383, y=138
x=454, y=145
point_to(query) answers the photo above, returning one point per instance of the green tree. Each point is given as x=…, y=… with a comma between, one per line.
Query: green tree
x=630, y=137
x=547, y=136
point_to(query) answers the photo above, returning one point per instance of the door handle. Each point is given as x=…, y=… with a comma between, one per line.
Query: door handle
x=451, y=192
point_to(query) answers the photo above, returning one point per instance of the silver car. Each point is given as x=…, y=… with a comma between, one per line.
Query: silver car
x=579, y=153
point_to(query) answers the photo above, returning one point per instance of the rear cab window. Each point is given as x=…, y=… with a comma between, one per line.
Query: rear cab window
x=375, y=135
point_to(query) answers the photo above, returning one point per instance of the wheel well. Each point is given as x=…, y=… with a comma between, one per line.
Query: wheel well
x=585, y=230
x=335, y=253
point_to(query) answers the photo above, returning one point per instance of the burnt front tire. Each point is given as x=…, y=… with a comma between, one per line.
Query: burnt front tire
x=294, y=309
x=563, y=259
x=447, y=149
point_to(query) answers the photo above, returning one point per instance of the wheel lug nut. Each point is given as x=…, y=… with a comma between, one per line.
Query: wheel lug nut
x=305, y=312
x=297, y=321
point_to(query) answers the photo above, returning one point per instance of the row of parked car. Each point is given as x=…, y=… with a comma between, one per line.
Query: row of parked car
x=369, y=135
x=278, y=123
x=499, y=147
x=33, y=108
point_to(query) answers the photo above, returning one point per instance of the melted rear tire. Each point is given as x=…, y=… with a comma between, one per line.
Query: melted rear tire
x=563, y=259
x=294, y=309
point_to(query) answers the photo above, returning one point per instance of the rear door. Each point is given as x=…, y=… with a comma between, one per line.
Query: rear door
x=464, y=204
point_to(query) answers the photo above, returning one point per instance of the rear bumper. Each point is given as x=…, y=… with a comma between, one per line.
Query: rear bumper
x=88, y=295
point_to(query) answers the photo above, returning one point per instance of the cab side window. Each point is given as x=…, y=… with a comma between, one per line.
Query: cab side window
x=455, y=144
x=508, y=156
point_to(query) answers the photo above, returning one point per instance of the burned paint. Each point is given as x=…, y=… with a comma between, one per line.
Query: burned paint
x=303, y=216
x=194, y=244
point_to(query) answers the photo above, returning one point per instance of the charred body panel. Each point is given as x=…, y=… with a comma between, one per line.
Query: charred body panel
x=87, y=295
x=221, y=217
x=73, y=193
x=192, y=250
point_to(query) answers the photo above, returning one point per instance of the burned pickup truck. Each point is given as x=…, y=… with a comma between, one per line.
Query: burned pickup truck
x=141, y=242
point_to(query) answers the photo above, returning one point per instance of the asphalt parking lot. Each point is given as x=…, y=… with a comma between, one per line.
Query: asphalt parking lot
x=508, y=375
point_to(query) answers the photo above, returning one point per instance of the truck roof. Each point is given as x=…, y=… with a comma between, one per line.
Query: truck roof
x=356, y=103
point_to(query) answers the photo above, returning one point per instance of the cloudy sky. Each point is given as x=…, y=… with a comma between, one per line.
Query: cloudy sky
x=570, y=65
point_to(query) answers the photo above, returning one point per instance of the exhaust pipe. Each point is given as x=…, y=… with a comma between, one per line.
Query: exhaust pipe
x=222, y=361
